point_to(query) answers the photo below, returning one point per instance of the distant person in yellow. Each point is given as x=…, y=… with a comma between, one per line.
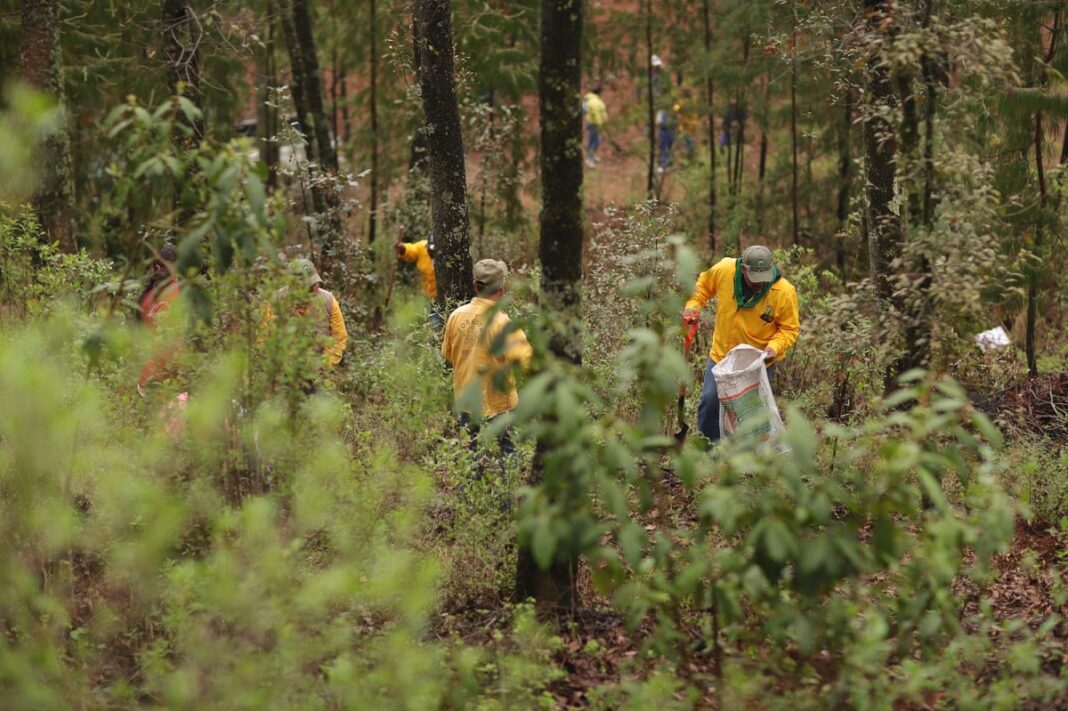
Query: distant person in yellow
x=596, y=117
x=422, y=253
x=472, y=334
x=322, y=308
x=754, y=305
x=689, y=121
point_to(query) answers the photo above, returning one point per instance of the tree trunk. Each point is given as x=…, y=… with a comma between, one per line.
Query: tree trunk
x=268, y=113
x=710, y=91
x=845, y=166
x=313, y=84
x=561, y=247
x=885, y=239
x=182, y=34
x=796, y=223
x=448, y=176
x=1043, y=193
x=372, y=225
x=650, y=183
x=42, y=67
x=297, y=86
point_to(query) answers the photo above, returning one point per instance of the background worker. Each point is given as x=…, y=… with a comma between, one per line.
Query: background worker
x=422, y=253
x=159, y=295
x=324, y=311
x=468, y=345
x=688, y=120
x=755, y=305
x=596, y=117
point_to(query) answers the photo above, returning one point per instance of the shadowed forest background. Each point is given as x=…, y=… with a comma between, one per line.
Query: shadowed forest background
x=258, y=531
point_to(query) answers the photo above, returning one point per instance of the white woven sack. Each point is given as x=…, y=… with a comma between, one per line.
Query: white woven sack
x=745, y=392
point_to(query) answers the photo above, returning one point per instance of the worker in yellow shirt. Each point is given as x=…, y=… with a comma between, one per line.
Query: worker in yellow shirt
x=755, y=305
x=688, y=119
x=422, y=253
x=596, y=117
x=472, y=335
x=324, y=311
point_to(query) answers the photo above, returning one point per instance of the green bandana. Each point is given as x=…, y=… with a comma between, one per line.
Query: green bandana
x=744, y=303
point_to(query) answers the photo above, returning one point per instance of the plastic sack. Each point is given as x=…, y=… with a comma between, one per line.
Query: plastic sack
x=993, y=339
x=745, y=393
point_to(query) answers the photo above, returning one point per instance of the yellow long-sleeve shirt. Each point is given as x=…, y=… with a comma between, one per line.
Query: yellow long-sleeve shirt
x=331, y=324
x=468, y=344
x=339, y=335
x=773, y=321
x=596, y=111
x=419, y=253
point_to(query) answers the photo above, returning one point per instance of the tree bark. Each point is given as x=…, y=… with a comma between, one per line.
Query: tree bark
x=372, y=222
x=650, y=182
x=561, y=248
x=710, y=91
x=182, y=35
x=268, y=113
x=845, y=166
x=448, y=175
x=313, y=84
x=885, y=239
x=796, y=222
x=1043, y=194
x=42, y=67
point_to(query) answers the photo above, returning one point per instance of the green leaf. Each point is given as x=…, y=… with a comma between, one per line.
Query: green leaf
x=543, y=545
x=632, y=541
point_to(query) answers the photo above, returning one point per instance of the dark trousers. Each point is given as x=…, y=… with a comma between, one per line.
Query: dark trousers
x=708, y=405
x=504, y=439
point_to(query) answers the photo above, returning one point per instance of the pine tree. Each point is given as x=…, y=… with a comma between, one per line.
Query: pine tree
x=445, y=149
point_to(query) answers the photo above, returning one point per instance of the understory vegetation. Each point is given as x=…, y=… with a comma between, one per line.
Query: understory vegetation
x=254, y=529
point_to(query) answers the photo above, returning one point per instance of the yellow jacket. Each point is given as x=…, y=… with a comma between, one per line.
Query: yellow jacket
x=339, y=335
x=596, y=111
x=417, y=252
x=772, y=321
x=468, y=347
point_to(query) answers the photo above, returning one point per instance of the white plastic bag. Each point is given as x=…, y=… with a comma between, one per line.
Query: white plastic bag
x=993, y=339
x=745, y=393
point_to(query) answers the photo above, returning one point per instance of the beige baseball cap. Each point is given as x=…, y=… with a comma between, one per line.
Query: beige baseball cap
x=758, y=264
x=490, y=274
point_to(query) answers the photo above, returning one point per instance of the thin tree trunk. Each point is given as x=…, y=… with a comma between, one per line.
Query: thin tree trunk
x=650, y=184
x=268, y=114
x=372, y=226
x=445, y=149
x=41, y=58
x=710, y=91
x=182, y=36
x=845, y=165
x=1043, y=193
x=743, y=117
x=561, y=252
x=796, y=225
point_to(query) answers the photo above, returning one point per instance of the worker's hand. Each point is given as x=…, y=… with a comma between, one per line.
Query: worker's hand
x=399, y=246
x=769, y=353
x=690, y=316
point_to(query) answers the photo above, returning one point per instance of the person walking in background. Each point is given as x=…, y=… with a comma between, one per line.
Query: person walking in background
x=479, y=344
x=596, y=117
x=688, y=121
x=755, y=305
x=665, y=138
x=422, y=253
x=159, y=295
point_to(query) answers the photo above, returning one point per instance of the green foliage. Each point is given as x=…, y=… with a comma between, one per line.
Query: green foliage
x=35, y=277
